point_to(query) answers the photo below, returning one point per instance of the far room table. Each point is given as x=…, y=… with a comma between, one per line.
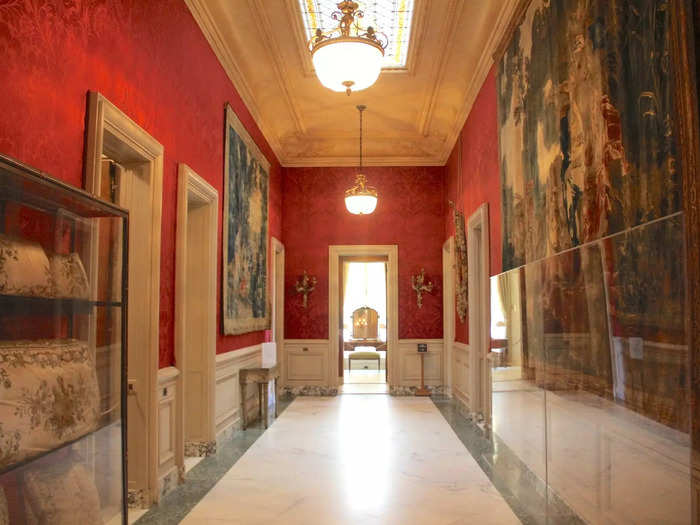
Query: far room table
x=261, y=376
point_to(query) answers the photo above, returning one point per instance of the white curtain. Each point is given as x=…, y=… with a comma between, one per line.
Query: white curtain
x=365, y=285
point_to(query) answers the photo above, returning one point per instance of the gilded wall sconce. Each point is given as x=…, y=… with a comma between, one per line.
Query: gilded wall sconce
x=420, y=286
x=305, y=285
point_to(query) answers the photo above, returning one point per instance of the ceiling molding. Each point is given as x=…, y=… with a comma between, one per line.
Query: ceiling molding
x=448, y=30
x=500, y=31
x=273, y=50
x=294, y=113
x=205, y=21
x=294, y=16
x=418, y=25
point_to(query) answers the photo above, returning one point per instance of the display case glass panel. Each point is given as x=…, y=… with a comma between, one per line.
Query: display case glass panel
x=62, y=348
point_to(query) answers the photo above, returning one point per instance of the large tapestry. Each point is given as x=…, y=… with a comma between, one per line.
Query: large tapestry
x=244, y=294
x=586, y=129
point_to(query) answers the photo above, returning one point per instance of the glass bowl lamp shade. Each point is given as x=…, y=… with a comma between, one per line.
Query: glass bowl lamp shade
x=361, y=199
x=349, y=57
x=346, y=65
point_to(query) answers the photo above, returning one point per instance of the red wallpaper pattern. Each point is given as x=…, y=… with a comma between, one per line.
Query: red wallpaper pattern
x=152, y=61
x=410, y=213
x=480, y=176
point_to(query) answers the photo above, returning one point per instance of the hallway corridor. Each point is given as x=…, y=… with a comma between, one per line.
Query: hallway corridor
x=355, y=459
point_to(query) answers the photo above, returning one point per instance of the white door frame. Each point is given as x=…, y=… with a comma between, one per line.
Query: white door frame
x=277, y=292
x=448, y=309
x=109, y=127
x=479, y=310
x=391, y=252
x=193, y=192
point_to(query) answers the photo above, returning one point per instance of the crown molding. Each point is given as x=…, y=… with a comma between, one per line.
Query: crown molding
x=448, y=30
x=501, y=30
x=270, y=42
x=202, y=15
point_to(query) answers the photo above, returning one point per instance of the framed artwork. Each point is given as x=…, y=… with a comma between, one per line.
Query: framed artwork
x=244, y=283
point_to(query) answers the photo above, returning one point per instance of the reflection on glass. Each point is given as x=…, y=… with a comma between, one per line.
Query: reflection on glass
x=60, y=354
x=590, y=377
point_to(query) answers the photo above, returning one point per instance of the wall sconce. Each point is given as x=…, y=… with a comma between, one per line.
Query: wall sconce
x=305, y=285
x=420, y=286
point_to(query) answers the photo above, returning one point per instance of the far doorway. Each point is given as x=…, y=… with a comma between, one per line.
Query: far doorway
x=363, y=314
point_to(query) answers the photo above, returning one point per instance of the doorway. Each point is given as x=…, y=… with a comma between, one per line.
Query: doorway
x=125, y=165
x=353, y=314
x=195, y=312
x=364, y=323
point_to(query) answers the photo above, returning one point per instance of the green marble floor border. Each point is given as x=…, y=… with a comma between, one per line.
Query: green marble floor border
x=526, y=494
x=201, y=479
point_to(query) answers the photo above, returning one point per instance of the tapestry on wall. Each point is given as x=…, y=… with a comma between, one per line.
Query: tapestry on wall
x=586, y=131
x=246, y=172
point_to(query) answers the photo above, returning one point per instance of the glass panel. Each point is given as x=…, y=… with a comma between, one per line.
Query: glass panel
x=61, y=381
x=600, y=351
x=518, y=401
x=391, y=17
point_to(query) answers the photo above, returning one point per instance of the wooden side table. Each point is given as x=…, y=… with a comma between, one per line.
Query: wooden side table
x=261, y=376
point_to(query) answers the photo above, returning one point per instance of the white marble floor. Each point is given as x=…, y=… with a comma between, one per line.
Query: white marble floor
x=355, y=459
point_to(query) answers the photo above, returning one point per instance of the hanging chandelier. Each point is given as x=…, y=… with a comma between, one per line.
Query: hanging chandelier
x=349, y=57
x=361, y=199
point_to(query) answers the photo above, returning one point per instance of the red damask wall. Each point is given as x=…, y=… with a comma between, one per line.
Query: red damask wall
x=152, y=61
x=410, y=213
x=480, y=176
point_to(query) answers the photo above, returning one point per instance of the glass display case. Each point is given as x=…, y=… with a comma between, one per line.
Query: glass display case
x=63, y=340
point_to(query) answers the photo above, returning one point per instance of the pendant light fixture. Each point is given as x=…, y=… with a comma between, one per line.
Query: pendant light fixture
x=349, y=57
x=361, y=199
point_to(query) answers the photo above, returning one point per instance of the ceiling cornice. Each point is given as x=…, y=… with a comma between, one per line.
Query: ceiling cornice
x=448, y=30
x=500, y=30
x=205, y=21
x=273, y=50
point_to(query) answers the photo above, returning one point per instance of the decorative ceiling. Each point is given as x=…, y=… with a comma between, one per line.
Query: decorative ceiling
x=393, y=17
x=439, y=59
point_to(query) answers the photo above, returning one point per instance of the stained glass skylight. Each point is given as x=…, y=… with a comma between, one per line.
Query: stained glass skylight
x=391, y=17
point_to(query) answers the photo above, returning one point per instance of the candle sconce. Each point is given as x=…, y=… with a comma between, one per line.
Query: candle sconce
x=420, y=286
x=305, y=285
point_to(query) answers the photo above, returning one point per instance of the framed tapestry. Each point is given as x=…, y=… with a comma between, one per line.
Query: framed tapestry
x=244, y=282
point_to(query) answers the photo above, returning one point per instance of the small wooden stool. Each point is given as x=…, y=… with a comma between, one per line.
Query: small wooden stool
x=261, y=376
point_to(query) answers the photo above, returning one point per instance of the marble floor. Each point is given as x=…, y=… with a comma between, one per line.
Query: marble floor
x=355, y=459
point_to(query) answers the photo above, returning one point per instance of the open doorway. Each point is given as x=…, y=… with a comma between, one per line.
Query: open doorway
x=363, y=314
x=340, y=327
x=195, y=312
x=124, y=165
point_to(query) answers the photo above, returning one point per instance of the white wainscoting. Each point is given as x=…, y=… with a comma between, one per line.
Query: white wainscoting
x=461, y=372
x=227, y=413
x=409, y=362
x=170, y=459
x=307, y=362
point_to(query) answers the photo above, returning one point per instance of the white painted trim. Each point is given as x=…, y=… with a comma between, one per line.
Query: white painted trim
x=103, y=116
x=391, y=251
x=448, y=308
x=193, y=188
x=277, y=274
x=461, y=356
x=479, y=311
x=228, y=401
